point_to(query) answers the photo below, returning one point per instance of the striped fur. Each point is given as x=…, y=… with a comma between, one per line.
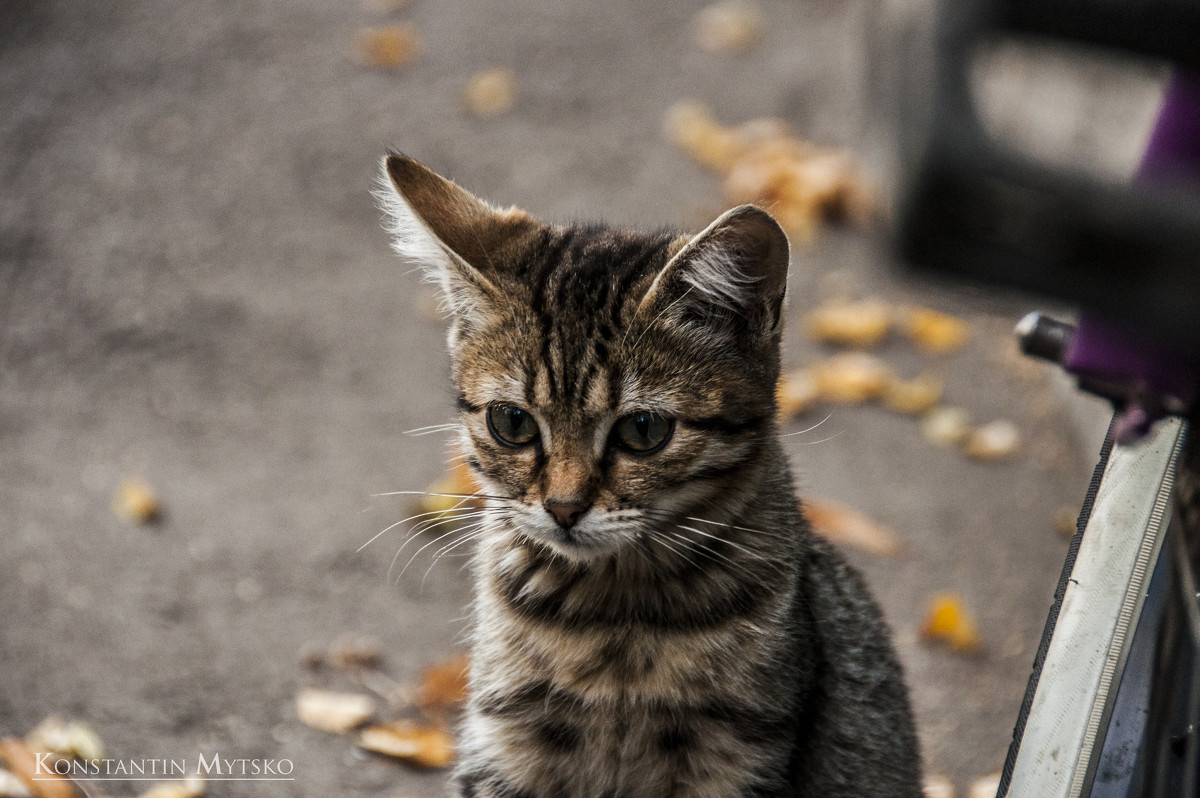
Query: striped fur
x=687, y=636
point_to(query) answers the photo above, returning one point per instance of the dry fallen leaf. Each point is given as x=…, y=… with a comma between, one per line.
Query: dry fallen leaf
x=692, y=128
x=936, y=786
x=914, y=396
x=797, y=392
x=933, y=331
x=761, y=162
x=858, y=324
x=444, y=684
x=23, y=764
x=426, y=746
x=840, y=524
x=851, y=377
x=995, y=440
x=947, y=621
x=12, y=787
x=454, y=489
x=729, y=26
x=136, y=502
x=490, y=92
x=946, y=426
x=800, y=183
x=389, y=46
x=333, y=712
x=191, y=787
x=356, y=651
x=985, y=787
x=65, y=739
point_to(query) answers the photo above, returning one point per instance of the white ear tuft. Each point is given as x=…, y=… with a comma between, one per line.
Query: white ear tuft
x=717, y=275
x=459, y=241
x=411, y=239
x=729, y=279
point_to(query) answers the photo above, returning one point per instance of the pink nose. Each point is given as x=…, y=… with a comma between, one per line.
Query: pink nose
x=566, y=513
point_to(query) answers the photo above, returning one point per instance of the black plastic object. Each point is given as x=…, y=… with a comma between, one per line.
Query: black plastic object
x=1163, y=29
x=974, y=209
x=1043, y=337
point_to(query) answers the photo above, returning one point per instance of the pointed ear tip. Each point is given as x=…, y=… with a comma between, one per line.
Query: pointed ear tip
x=397, y=165
x=756, y=212
x=762, y=219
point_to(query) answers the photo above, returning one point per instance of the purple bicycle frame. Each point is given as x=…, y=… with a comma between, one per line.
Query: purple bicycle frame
x=1154, y=380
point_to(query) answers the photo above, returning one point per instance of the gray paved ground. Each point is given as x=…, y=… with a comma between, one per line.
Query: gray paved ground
x=194, y=288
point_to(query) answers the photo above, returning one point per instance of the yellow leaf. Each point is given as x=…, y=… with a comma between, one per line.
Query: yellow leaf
x=858, y=324
x=913, y=396
x=453, y=489
x=851, y=377
x=797, y=392
x=389, y=46
x=333, y=712
x=136, y=502
x=840, y=524
x=444, y=684
x=947, y=621
x=426, y=746
x=995, y=440
x=934, y=331
x=490, y=92
x=24, y=765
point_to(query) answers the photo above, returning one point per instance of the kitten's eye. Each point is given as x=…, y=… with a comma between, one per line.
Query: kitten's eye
x=510, y=425
x=643, y=432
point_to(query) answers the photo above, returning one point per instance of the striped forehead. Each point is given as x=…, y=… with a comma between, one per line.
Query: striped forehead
x=582, y=281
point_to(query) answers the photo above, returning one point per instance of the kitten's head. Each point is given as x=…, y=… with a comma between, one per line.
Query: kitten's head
x=611, y=383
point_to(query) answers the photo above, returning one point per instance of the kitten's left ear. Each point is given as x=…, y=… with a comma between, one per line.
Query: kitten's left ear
x=731, y=275
x=460, y=241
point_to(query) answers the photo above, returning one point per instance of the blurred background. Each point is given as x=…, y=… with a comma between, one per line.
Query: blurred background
x=195, y=293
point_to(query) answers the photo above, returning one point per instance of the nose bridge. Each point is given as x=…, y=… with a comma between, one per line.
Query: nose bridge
x=568, y=476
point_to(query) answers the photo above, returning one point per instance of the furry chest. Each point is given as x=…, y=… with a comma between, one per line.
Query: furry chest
x=556, y=743
x=626, y=712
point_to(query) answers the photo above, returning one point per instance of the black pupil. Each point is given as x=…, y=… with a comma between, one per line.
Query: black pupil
x=511, y=425
x=641, y=423
x=515, y=421
x=644, y=431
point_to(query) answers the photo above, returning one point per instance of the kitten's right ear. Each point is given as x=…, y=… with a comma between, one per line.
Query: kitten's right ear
x=456, y=238
x=729, y=279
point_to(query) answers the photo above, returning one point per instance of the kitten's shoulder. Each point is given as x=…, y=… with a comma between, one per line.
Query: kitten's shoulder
x=859, y=737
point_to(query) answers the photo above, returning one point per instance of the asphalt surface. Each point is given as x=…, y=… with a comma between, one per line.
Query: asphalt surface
x=195, y=290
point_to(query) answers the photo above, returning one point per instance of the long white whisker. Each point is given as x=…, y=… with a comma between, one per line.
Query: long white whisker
x=415, y=532
x=401, y=549
x=722, y=540
x=810, y=429
x=730, y=526
x=474, y=532
x=433, y=523
x=665, y=539
x=432, y=428
x=707, y=551
x=447, y=495
x=814, y=443
x=456, y=508
x=442, y=536
x=477, y=528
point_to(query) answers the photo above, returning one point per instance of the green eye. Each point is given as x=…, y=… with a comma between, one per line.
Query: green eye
x=510, y=425
x=643, y=431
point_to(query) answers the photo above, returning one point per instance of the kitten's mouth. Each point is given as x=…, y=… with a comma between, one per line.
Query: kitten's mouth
x=576, y=544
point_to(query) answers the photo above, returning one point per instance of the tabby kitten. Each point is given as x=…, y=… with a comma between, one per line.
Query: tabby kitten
x=653, y=616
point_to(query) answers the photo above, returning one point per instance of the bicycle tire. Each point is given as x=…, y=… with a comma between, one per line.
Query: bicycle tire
x=1089, y=628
